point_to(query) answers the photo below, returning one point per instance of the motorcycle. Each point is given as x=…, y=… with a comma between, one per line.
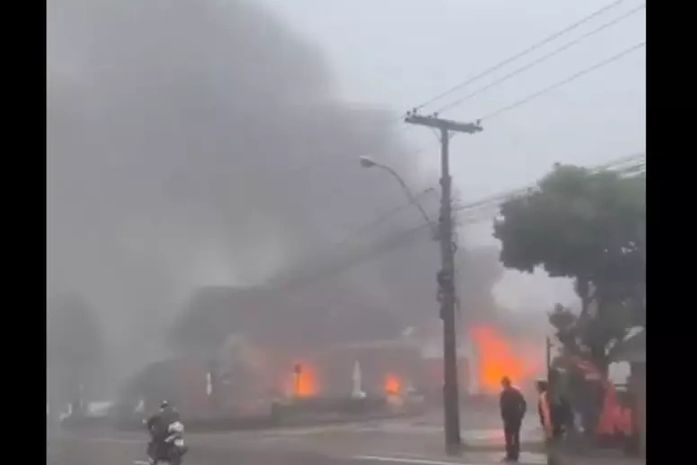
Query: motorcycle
x=173, y=447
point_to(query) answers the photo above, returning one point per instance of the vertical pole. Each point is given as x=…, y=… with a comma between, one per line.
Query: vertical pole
x=451, y=404
x=548, y=356
x=446, y=277
x=297, y=371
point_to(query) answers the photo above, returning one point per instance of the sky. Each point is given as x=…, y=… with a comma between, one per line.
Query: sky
x=398, y=54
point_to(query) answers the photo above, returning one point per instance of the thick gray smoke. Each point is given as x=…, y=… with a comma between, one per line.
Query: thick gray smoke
x=194, y=143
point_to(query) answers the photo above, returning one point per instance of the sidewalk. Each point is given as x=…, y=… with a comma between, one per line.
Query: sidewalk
x=596, y=457
x=389, y=443
x=581, y=451
x=467, y=458
x=477, y=450
x=405, y=440
x=432, y=453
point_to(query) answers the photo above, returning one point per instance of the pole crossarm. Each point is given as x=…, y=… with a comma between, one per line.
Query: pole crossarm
x=438, y=123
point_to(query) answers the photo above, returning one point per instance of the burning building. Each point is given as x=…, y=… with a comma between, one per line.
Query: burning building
x=254, y=345
x=497, y=354
x=386, y=367
x=245, y=377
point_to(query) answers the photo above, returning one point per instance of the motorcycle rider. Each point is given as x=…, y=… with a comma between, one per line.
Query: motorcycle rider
x=158, y=425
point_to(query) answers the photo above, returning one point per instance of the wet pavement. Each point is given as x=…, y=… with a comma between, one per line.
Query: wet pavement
x=406, y=441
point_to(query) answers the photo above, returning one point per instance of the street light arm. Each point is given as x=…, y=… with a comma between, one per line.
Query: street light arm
x=407, y=191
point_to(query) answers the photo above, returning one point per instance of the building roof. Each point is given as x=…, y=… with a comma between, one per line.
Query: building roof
x=379, y=344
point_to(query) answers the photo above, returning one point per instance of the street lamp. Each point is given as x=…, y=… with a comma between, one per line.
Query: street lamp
x=367, y=162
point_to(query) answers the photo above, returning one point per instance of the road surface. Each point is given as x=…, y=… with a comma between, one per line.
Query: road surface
x=413, y=441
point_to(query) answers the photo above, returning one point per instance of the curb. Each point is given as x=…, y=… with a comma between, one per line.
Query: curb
x=250, y=424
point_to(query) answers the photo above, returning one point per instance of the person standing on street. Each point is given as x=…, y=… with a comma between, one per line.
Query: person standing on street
x=513, y=407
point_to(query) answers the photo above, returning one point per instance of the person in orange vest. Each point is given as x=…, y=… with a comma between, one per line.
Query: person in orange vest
x=543, y=408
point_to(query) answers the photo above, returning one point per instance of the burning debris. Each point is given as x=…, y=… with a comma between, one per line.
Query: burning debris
x=393, y=385
x=304, y=381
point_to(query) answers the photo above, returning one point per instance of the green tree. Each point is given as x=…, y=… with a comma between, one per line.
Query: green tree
x=589, y=227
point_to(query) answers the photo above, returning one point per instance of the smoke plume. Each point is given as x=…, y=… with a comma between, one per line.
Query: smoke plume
x=193, y=144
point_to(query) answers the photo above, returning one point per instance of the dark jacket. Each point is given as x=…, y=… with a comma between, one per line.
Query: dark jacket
x=158, y=424
x=513, y=405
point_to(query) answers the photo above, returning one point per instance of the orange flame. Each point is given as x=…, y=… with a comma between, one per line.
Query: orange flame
x=393, y=385
x=303, y=383
x=497, y=358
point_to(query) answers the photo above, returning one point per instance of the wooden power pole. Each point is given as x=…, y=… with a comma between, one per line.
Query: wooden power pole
x=446, y=285
x=548, y=357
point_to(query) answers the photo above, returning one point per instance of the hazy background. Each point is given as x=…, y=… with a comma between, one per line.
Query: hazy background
x=400, y=53
x=216, y=142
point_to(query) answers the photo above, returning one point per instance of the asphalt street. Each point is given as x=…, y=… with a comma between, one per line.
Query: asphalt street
x=411, y=441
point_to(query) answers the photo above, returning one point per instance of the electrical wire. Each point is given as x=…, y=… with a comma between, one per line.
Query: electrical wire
x=637, y=162
x=342, y=260
x=528, y=50
x=543, y=58
x=531, y=48
x=381, y=219
x=569, y=79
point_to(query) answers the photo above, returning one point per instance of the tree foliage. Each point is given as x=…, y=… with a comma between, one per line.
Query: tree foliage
x=589, y=227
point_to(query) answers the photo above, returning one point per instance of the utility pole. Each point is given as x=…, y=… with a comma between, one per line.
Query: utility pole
x=445, y=277
x=548, y=356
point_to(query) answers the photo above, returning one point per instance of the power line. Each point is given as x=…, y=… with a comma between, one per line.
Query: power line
x=499, y=65
x=504, y=62
x=381, y=219
x=349, y=259
x=619, y=161
x=346, y=258
x=496, y=201
x=629, y=164
x=617, y=165
x=531, y=48
x=543, y=58
x=565, y=81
